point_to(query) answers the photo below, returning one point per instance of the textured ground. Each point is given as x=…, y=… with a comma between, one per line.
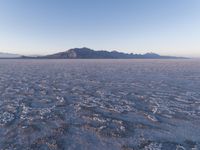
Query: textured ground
x=100, y=104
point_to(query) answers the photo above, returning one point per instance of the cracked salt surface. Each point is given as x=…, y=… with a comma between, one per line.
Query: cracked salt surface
x=100, y=104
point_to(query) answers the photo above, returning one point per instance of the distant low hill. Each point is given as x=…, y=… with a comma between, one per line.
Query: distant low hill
x=86, y=53
x=8, y=55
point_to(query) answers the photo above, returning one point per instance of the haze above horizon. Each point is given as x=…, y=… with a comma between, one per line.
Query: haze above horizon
x=135, y=26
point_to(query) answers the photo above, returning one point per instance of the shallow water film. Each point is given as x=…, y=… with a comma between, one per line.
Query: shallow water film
x=100, y=104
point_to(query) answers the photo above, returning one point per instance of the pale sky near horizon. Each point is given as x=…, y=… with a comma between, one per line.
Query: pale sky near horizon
x=167, y=27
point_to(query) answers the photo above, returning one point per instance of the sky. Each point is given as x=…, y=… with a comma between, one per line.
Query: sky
x=167, y=27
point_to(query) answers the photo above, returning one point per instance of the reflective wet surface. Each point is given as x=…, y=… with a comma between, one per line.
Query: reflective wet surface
x=100, y=104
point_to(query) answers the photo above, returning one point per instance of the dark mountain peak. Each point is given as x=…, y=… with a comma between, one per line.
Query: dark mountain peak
x=152, y=54
x=81, y=49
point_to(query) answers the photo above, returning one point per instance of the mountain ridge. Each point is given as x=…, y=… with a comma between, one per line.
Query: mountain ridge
x=87, y=53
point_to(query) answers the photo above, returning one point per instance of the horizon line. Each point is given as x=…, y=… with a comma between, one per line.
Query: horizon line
x=176, y=55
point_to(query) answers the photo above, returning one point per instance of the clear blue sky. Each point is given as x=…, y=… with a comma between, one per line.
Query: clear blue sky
x=170, y=27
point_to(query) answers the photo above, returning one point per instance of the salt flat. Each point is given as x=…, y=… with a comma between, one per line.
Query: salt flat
x=100, y=104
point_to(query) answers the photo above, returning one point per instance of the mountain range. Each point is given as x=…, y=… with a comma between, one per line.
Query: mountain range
x=87, y=53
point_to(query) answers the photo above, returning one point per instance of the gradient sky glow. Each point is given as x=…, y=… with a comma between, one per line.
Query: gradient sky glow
x=168, y=27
